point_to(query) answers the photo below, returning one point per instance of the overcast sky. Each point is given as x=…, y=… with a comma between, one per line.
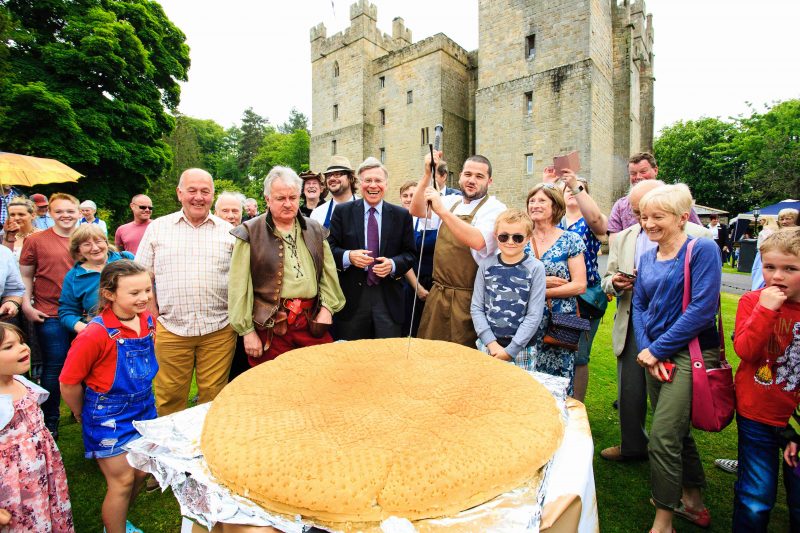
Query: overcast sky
x=711, y=56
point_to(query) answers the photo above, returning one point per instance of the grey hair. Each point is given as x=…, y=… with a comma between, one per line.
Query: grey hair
x=251, y=201
x=372, y=162
x=285, y=175
x=88, y=204
x=230, y=194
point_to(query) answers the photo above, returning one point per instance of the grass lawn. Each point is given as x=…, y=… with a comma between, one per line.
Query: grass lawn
x=622, y=488
x=728, y=269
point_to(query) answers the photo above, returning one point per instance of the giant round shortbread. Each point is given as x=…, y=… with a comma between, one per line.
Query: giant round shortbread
x=360, y=431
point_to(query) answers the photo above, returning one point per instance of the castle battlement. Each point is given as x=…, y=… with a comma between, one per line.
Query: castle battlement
x=435, y=43
x=363, y=25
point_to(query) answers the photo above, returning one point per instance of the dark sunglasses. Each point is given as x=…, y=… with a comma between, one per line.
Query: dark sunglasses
x=145, y=207
x=516, y=237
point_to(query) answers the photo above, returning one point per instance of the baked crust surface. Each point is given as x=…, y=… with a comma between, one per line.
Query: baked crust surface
x=360, y=431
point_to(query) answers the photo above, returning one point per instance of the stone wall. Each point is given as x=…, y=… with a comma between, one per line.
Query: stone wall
x=590, y=77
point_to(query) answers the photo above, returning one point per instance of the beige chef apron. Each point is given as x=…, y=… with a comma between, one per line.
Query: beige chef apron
x=446, y=316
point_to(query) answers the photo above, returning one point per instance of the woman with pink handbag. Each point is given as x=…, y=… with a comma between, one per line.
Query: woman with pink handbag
x=664, y=333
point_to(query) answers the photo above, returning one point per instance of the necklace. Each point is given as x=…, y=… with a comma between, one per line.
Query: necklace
x=291, y=242
x=123, y=319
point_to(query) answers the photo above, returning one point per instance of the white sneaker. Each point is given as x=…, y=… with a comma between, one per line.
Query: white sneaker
x=727, y=465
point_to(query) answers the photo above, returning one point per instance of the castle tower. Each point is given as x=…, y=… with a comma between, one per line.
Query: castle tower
x=545, y=88
x=633, y=84
x=341, y=74
x=387, y=95
x=550, y=76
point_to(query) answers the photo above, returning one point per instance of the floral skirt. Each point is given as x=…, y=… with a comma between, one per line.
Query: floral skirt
x=33, y=485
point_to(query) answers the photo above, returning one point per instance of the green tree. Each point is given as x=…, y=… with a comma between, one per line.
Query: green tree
x=695, y=153
x=297, y=121
x=185, y=148
x=769, y=145
x=290, y=150
x=90, y=82
x=254, y=128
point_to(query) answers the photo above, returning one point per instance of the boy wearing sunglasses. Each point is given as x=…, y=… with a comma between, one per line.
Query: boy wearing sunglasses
x=508, y=299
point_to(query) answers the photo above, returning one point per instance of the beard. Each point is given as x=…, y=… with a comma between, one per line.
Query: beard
x=480, y=193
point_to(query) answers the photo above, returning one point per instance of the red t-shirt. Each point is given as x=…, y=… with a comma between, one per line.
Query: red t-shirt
x=768, y=343
x=92, y=358
x=48, y=253
x=128, y=236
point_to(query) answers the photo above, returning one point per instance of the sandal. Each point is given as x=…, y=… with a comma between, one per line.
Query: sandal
x=700, y=518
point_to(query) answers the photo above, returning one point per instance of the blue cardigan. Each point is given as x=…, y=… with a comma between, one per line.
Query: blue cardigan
x=80, y=291
x=658, y=322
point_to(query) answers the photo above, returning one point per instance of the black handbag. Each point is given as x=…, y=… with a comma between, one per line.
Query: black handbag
x=564, y=330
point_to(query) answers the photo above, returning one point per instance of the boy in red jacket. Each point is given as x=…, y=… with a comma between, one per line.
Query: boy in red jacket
x=767, y=340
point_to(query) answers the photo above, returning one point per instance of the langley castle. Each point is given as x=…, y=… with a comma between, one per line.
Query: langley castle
x=549, y=77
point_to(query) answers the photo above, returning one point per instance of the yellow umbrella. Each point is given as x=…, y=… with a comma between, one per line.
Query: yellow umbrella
x=16, y=169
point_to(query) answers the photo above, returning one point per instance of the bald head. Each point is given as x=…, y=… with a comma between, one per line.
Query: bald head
x=195, y=173
x=196, y=192
x=142, y=208
x=639, y=190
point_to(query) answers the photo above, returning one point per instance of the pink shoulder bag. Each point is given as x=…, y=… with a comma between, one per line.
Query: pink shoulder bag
x=713, y=398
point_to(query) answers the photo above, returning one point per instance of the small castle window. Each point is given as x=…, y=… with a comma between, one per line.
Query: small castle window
x=382, y=82
x=383, y=155
x=529, y=163
x=409, y=97
x=335, y=69
x=383, y=117
x=424, y=136
x=530, y=46
x=529, y=103
x=335, y=111
x=333, y=147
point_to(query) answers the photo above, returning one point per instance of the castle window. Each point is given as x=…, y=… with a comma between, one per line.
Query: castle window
x=333, y=147
x=529, y=103
x=383, y=155
x=382, y=82
x=409, y=97
x=383, y=117
x=530, y=46
x=335, y=69
x=529, y=164
x=335, y=111
x=424, y=136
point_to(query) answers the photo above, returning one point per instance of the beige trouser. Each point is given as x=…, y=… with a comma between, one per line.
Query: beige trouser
x=178, y=356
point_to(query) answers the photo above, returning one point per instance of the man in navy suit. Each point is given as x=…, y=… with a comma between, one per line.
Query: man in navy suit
x=373, y=245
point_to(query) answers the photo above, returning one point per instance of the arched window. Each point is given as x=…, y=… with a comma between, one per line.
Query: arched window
x=335, y=69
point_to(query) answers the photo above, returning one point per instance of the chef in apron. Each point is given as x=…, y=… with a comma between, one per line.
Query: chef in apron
x=466, y=236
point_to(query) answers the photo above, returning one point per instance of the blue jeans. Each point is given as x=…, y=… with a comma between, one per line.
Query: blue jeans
x=760, y=453
x=54, y=342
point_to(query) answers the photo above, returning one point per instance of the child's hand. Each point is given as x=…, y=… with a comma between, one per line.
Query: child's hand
x=502, y=355
x=5, y=517
x=790, y=454
x=772, y=298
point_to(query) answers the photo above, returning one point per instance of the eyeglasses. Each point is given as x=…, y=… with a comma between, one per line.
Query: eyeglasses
x=145, y=207
x=516, y=237
x=88, y=245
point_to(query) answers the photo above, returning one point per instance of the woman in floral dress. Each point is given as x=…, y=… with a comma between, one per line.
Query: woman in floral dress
x=33, y=484
x=562, y=254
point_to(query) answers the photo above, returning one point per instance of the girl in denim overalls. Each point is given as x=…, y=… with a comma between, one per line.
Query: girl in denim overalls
x=115, y=357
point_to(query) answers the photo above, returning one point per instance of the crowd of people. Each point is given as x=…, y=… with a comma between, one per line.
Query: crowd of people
x=119, y=330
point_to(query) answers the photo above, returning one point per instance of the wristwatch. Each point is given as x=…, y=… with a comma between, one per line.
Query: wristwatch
x=578, y=190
